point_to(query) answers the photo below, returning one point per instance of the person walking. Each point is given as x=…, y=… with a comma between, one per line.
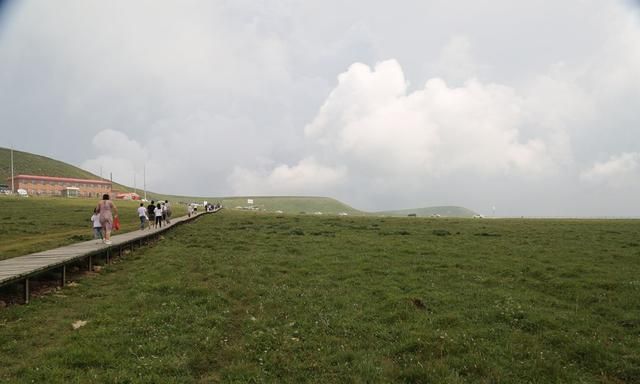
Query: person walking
x=142, y=214
x=107, y=210
x=158, y=215
x=151, y=212
x=97, y=227
x=168, y=207
x=189, y=210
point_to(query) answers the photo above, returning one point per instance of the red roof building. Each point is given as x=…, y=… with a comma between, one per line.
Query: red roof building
x=127, y=196
x=54, y=186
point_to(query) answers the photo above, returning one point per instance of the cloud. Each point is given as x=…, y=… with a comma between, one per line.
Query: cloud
x=432, y=131
x=619, y=171
x=198, y=155
x=117, y=155
x=456, y=62
x=478, y=106
x=305, y=178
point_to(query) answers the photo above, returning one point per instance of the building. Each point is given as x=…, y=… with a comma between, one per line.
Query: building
x=127, y=196
x=59, y=186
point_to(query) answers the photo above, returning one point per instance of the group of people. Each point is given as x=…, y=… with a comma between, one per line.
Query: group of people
x=192, y=209
x=106, y=212
x=213, y=207
x=161, y=213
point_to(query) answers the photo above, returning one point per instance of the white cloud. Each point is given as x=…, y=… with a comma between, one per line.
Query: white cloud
x=117, y=155
x=306, y=177
x=370, y=118
x=480, y=105
x=622, y=170
x=456, y=63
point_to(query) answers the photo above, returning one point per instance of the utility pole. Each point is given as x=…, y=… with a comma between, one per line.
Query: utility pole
x=12, y=181
x=144, y=176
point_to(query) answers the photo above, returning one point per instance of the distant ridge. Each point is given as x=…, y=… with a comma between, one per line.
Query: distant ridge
x=292, y=204
x=445, y=211
x=32, y=164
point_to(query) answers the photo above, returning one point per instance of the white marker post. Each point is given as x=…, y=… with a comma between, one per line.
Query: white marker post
x=12, y=181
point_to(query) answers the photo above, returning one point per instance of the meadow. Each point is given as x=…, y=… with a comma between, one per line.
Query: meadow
x=34, y=224
x=240, y=297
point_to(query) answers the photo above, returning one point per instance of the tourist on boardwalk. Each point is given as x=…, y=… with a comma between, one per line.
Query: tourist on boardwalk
x=158, y=215
x=142, y=214
x=151, y=212
x=107, y=210
x=97, y=227
x=164, y=211
x=189, y=210
x=168, y=208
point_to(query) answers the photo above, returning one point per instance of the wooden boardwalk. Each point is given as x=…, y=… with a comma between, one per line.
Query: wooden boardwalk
x=20, y=269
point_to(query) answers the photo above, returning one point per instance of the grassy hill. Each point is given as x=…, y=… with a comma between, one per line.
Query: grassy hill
x=293, y=204
x=25, y=163
x=32, y=164
x=448, y=211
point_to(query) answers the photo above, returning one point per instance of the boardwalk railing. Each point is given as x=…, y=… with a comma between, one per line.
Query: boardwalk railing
x=20, y=269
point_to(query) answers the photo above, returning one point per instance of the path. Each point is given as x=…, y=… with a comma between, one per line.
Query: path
x=21, y=268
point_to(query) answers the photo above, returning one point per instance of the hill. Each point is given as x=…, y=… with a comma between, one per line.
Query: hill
x=25, y=163
x=292, y=204
x=447, y=211
x=32, y=164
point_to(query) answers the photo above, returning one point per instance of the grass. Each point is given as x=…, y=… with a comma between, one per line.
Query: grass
x=244, y=297
x=31, y=164
x=293, y=204
x=35, y=224
x=446, y=211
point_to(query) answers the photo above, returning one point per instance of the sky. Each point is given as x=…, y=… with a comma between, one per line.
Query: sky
x=528, y=108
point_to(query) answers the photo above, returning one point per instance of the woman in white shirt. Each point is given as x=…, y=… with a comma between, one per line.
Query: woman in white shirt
x=158, y=214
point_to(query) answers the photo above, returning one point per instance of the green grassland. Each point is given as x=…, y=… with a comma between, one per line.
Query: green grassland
x=292, y=204
x=431, y=211
x=241, y=297
x=35, y=224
